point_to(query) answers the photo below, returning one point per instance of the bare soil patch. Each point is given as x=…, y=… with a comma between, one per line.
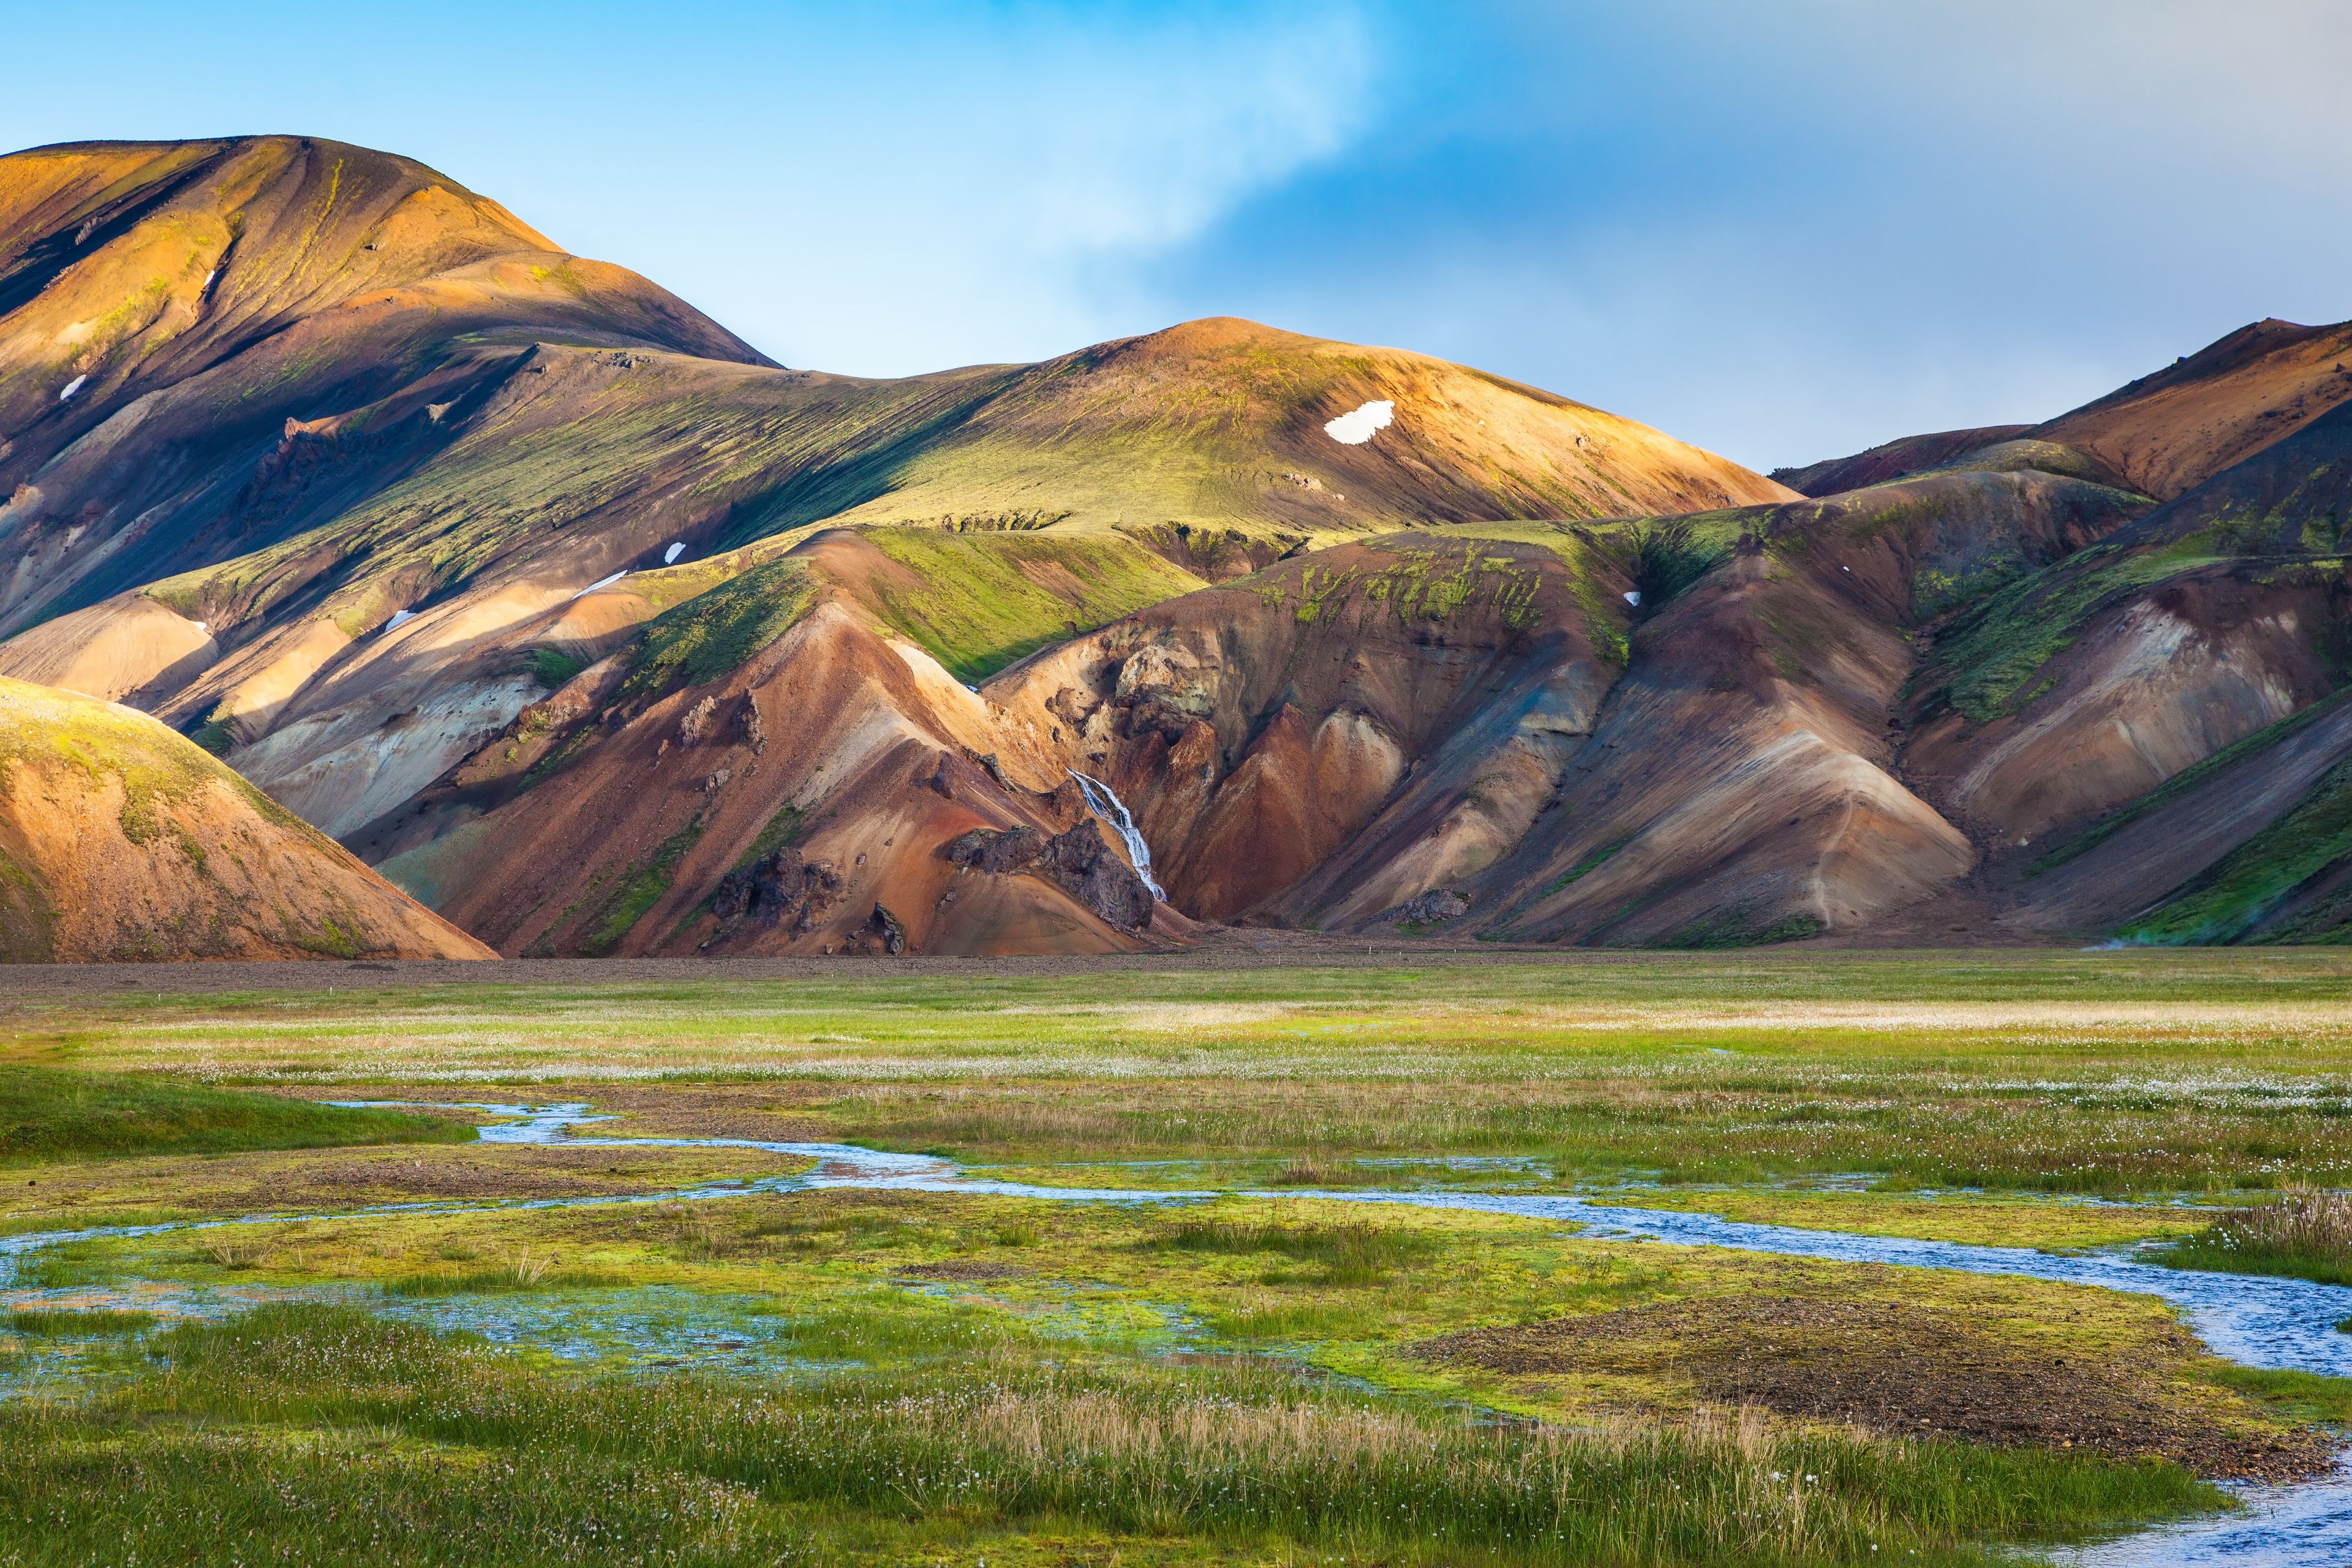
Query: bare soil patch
x=1901, y=1369
x=958, y=1270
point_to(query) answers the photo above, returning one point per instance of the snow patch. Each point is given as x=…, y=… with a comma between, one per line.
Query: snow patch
x=71, y=387
x=399, y=618
x=1634, y=598
x=669, y=556
x=1355, y=429
x=601, y=583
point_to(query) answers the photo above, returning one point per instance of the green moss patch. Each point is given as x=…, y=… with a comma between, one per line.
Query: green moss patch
x=986, y=599
x=48, y=1113
x=714, y=633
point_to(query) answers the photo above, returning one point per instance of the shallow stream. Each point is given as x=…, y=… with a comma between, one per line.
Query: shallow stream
x=2255, y=1321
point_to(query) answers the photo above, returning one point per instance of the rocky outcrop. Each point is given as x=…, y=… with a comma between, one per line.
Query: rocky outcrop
x=1080, y=862
x=783, y=892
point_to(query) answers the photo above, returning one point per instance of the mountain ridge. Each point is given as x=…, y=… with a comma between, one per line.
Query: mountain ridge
x=602, y=634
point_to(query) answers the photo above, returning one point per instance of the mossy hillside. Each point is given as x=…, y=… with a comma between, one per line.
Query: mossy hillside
x=712, y=634
x=48, y=1113
x=636, y=893
x=572, y=444
x=978, y=601
x=1441, y=578
x=2237, y=899
x=157, y=770
x=2028, y=453
x=1989, y=661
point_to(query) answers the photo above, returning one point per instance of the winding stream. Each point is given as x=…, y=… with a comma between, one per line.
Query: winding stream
x=2254, y=1321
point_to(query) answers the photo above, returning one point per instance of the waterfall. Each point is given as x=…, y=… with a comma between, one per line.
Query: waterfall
x=1107, y=806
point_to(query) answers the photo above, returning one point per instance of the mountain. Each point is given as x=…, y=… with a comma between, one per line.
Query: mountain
x=601, y=633
x=119, y=840
x=1894, y=460
x=2141, y=735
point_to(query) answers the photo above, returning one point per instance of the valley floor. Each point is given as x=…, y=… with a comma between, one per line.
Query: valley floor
x=1286, y=1253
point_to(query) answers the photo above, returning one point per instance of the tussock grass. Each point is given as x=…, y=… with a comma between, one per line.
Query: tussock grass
x=696, y=1471
x=519, y=1272
x=2305, y=1234
x=1349, y=1254
x=48, y=1113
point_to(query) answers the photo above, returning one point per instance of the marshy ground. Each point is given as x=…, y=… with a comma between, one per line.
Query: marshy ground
x=464, y=1350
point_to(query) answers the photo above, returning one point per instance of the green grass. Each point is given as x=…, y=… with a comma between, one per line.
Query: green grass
x=1351, y=1255
x=2145, y=1069
x=383, y=1438
x=46, y=1113
x=979, y=601
x=712, y=634
x=953, y=1376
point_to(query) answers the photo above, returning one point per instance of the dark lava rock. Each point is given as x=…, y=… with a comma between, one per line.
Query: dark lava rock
x=1434, y=907
x=781, y=891
x=1080, y=862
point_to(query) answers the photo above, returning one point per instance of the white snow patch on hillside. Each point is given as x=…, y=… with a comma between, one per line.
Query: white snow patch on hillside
x=1355, y=429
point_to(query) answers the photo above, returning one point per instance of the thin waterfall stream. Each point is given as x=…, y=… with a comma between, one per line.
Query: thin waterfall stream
x=1106, y=805
x=2256, y=1321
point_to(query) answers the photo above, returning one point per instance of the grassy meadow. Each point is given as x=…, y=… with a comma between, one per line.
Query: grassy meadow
x=451, y=1351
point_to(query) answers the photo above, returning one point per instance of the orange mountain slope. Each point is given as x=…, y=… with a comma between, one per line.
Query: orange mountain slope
x=120, y=840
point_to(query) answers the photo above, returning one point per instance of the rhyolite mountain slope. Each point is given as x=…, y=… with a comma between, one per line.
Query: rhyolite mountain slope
x=604, y=634
x=121, y=840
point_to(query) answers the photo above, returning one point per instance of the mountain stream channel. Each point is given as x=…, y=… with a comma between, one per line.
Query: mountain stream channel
x=2254, y=1321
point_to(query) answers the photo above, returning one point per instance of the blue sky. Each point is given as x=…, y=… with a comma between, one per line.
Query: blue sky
x=1782, y=230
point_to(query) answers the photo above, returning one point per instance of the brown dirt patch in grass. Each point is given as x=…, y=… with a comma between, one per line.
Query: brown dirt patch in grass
x=535, y=1173
x=958, y=1270
x=1906, y=1371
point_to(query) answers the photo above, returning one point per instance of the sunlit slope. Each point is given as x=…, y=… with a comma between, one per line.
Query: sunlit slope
x=120, y=840
x=1221, y=424
x=208, y=346
x=2163, y=434
x=1892, y=460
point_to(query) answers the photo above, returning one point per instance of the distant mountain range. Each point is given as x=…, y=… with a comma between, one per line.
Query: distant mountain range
x=598, y=633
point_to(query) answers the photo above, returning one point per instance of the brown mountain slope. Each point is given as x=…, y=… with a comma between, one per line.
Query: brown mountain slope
x=780, y=722
x=1254, y=728
x=1257, y=731
x=2167, y=432
x=2085, y=716
x=1743, y=782
x=120, y=840
x=365, y=439
x=2163, y=434
x=1893, y=460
